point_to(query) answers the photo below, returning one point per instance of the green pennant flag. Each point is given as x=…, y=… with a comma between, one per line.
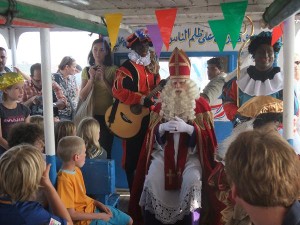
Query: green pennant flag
x=234, y=13
x=220, y=31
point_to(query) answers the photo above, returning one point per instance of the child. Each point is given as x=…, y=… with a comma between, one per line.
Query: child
x=62, y=129
x=89, y=131
x=37, y=119
x=11, y=111
x=22, y=172
x=28, y=133
x=71, y=189
x=264, y=174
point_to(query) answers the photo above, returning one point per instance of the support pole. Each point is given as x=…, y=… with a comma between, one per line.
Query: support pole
x=13, y=46
x=288, y=69
x=48, y=102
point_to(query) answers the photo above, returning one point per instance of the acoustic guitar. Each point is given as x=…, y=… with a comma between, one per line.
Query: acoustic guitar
x=127, y=119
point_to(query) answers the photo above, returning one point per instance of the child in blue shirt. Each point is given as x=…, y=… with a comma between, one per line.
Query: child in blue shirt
x=22, y=173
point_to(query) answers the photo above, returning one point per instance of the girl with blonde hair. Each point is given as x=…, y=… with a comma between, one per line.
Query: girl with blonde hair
x=89, y=131
x=62, y=129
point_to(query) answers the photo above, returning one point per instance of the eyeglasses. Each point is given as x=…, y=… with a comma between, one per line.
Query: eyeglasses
x=297, y=63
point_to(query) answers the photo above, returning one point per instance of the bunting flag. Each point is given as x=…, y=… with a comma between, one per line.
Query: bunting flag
x=234, y=13
x=220, y=32
x=165, y=19
x=277, y=33
x=154, y=33
x=113, y=22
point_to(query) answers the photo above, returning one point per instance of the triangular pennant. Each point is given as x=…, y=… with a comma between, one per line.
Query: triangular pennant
x=113, y=22
x=277, y=33
x=219, y=29
x=234, y=13
x=154, y=33
x=165, y=19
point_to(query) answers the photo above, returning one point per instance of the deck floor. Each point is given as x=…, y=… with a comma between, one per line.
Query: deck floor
x=124, y=200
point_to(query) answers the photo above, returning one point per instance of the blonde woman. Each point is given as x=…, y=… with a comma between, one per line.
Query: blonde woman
x=89, y=131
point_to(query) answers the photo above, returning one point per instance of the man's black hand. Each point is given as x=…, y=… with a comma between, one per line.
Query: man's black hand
x=148, y=102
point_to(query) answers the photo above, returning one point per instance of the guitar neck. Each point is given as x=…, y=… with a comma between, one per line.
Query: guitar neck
x=155, y=90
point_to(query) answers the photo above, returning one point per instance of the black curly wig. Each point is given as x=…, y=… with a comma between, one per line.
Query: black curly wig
x=263, y=38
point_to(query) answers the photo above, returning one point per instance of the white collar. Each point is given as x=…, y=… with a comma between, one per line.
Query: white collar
x=145, y=61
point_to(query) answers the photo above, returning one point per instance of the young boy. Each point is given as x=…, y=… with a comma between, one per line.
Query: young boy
x=264, y=173
x=71, y=189
x=22, y=173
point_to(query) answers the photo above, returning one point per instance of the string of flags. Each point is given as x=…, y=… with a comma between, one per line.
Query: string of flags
x=160, y=33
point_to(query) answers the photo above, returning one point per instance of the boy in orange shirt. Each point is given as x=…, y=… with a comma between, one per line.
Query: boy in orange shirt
x=71, y=189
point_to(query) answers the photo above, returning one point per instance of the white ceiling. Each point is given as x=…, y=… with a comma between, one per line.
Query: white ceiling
x=138, y=13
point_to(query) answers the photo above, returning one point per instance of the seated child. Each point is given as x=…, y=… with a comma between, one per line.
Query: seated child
x=22, y=172
x=28, y=133
x=63, y=128
x=37, y=119
x=71, y=189
x=89, y=130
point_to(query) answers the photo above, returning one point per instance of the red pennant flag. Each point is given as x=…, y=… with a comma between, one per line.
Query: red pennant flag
x=277, y=33
x=165, y=20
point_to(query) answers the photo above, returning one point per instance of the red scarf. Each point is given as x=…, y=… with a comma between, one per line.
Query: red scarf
x=173, y=173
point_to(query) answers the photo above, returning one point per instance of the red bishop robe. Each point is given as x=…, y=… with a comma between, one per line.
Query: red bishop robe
x=206, y=146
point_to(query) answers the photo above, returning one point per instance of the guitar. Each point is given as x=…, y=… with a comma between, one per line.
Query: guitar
x=127, y=119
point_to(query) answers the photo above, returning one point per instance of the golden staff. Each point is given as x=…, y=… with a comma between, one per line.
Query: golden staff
x=239, y=57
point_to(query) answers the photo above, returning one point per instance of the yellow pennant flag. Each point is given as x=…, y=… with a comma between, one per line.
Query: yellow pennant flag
x=113, y=22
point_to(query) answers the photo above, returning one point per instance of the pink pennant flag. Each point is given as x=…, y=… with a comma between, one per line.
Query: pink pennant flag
x=154, y=33
x=277, y=33
x=165, y=19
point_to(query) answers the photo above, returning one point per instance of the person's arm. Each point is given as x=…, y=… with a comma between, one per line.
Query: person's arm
x=86, y=83
x=122, y=87
x=102, y=207
x=54, y=201
x=61, y=98
x=78, y=216
x=229, y=99
x=3, y=142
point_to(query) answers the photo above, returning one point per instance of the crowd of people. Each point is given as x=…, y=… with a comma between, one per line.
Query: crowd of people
x=176, y=171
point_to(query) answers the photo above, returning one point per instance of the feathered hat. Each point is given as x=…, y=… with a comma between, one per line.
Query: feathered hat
x=179, y=64
x=140, y=35
x=9, y=79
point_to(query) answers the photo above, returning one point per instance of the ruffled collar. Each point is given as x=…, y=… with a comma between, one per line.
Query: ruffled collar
x=256, y=87
x=145, y=61
x=262, y=75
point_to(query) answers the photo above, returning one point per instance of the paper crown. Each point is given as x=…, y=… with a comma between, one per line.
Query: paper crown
x=140, y=35
x=9, y=79
x=179, y=64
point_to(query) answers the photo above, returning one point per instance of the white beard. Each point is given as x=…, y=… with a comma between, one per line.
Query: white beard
x=181, y=105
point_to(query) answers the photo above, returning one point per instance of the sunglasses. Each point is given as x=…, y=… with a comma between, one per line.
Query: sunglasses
x=297, y=63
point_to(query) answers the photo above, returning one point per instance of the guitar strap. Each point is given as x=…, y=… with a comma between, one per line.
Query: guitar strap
x=112, y=115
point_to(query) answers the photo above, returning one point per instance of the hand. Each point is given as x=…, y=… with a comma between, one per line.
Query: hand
x=182, y=127
x=92, y=73
x=103, y=207
x=168, y=126
x=104, y=216
x=100, y=70
x=37, y=100
x=147, y=102
x=176, y=126
x=45, y=180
